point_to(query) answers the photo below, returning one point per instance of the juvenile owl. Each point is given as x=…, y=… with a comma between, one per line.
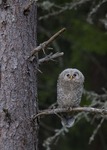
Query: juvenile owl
x=69, y=92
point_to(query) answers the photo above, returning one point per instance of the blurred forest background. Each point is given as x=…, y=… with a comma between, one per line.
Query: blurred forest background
x=84, y=44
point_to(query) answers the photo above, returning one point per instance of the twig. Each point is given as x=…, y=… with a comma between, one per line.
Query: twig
x=94, y=10
x=55, y=44
x=96, y=96
x=77, y=109
x=67, y=6
x=45, y=44
x=95, y=131
x=50, y=140
x=50, y=57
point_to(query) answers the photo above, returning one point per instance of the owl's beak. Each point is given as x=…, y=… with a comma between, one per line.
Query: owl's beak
x=70, y=77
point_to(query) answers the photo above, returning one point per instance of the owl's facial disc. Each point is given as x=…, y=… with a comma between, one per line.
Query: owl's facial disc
x=74, y=76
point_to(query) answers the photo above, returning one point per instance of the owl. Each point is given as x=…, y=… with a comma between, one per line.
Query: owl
x=69, y=92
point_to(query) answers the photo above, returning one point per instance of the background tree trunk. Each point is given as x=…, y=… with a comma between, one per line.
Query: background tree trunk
x=18, y=92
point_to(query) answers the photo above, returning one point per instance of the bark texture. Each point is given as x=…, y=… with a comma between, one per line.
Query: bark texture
x=18, y=89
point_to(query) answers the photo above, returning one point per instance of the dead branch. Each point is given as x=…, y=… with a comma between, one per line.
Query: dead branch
x=94, y=10
x=67, y=6
x=77, y=109
x=58, y=132
x=45, y=44
x=96, y=131
x=51, y=56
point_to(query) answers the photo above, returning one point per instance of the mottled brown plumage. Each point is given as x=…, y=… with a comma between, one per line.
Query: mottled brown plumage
x=69, y=91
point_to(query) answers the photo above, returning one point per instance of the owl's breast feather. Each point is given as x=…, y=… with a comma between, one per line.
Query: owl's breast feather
x=69, y=98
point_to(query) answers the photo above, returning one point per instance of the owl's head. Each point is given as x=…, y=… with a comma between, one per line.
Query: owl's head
x=72, y=75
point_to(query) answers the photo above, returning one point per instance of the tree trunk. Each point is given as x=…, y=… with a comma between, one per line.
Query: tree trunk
x=18, y=89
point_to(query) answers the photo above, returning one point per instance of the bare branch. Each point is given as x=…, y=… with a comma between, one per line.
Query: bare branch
x=50, y=57
x=95, y=131
x=67, y=6
x=94, y=10
x=96, y=96
x=58, y=132
x=77, y=109
x=45, y=44
x=55, y=44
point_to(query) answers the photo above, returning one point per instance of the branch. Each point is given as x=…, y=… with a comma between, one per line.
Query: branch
x=77, y=109
x=96, y=131
x=45, y=44
x=51, y=139
x=50, y=57
x=94, y=10
x=67, y=6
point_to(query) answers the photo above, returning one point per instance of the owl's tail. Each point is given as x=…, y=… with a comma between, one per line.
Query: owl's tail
x=67, y=121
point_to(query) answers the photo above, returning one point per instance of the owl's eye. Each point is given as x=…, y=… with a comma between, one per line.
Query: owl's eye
x=75, y=74
x=68, y=75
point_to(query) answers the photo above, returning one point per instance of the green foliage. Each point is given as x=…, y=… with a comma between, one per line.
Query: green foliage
x=88, y=38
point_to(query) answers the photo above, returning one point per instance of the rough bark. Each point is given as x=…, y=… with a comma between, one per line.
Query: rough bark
x=18, y=91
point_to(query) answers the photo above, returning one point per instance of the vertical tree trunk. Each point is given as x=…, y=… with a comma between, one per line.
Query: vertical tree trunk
x=18, y=91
